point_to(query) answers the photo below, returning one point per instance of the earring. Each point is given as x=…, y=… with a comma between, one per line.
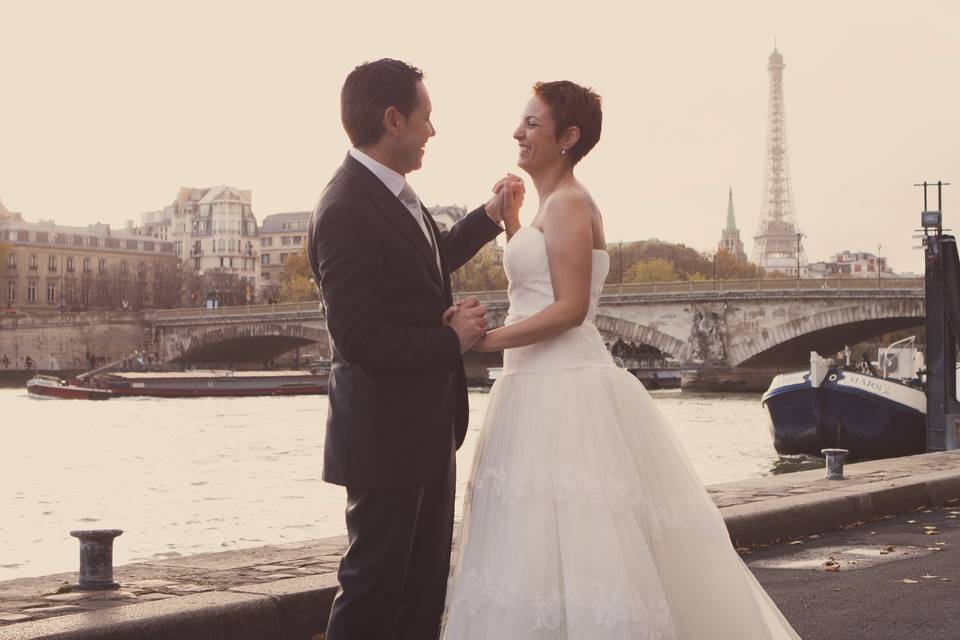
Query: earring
x=563, y=152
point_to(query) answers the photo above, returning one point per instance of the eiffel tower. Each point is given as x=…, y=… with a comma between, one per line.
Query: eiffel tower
x=777, y=245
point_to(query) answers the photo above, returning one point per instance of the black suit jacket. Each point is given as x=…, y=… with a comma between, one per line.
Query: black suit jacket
x=397, y=392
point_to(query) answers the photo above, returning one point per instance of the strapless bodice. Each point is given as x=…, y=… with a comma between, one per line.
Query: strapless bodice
x=531, y=289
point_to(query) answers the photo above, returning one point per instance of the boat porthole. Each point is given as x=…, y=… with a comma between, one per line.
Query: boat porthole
x=833, y=377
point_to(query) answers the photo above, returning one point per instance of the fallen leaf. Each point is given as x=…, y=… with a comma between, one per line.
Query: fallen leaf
x=797, y=542
x=909, y=581
x=815, y=536
x=933, y=533
x=911, y=522
x=928, y=577
x=930, y=527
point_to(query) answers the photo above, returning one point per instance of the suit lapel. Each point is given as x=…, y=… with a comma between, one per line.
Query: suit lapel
x=394, y=211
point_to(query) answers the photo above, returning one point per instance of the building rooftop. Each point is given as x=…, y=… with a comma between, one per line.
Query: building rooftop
x=274, y=222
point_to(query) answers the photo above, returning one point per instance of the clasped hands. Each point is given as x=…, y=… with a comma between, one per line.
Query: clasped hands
x=504, y=207
x=468, y=318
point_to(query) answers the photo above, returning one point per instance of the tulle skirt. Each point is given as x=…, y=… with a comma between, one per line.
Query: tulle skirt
x=586, y=521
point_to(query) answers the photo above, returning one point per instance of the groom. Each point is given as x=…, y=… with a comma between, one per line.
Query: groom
x=397, y=392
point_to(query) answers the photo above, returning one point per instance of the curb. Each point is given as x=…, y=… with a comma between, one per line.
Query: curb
x=793, y=516
x=293, y=609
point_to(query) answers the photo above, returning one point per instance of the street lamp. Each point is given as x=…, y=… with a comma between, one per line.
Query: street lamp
x=799, y=235
x=53, y=239
x=620, y=268
x=879, y=247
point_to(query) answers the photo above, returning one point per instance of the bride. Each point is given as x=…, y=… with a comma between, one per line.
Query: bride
x=584, y=518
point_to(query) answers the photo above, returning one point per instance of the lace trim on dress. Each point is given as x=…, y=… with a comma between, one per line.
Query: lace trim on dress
x=610, y=492
x=596, y=604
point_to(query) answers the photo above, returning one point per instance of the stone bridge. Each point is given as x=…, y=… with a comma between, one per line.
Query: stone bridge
x=250, y=334
x=754, y=323
x=703, y=325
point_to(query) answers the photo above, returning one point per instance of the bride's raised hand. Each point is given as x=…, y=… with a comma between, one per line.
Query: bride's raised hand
x=512, y=190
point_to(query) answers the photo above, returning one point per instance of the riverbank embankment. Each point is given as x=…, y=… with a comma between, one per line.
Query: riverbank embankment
x=285, y=591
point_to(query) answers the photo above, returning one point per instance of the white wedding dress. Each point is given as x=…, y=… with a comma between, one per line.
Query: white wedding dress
x=584, y=519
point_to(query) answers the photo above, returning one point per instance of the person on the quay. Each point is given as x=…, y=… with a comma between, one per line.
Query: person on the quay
x=397, y=391
x=584, y=519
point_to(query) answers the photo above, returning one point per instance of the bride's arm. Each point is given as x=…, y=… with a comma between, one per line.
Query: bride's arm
x=568, y=234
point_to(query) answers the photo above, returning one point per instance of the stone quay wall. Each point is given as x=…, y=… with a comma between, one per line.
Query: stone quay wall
x=61, y=341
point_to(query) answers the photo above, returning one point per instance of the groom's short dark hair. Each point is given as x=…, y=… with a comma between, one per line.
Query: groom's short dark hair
x=369, y=90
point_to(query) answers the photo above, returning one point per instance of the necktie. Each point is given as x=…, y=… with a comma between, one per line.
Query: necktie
x=410, y=200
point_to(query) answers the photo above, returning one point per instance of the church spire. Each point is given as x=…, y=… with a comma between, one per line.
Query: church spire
x=731, y=219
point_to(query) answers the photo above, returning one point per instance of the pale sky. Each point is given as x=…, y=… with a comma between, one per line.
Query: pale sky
x=109, y=107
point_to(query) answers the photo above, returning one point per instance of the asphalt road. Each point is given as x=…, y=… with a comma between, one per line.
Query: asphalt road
x=895, y=581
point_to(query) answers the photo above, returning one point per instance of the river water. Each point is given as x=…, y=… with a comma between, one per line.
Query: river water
x=184, y=476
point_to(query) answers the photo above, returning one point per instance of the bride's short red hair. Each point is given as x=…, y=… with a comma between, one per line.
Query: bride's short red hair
x=573, y=106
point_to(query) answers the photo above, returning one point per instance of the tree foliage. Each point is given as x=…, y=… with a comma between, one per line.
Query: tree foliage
x=651, y=270
x=483, y=272
x=296, y=279
x=647, y=261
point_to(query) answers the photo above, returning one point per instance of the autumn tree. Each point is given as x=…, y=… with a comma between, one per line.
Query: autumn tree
x=296, y=279
x=651, y=270
x=483, y=272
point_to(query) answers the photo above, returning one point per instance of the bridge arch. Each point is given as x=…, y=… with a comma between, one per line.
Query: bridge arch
x=245, y=342
x=638, y=333
x=826, y=332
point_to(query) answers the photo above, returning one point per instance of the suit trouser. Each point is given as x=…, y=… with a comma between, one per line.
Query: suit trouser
x=393, y=576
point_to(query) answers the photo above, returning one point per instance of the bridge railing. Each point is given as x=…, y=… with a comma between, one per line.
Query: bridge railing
x=237, y=311
x=705, y=286
x=609, y=291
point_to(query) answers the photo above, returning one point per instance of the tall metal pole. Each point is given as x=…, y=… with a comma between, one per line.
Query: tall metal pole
x=879, y=247
x=620, y=294
x=799, y=235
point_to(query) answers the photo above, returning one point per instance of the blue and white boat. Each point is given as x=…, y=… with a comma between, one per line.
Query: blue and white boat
x=870, y=414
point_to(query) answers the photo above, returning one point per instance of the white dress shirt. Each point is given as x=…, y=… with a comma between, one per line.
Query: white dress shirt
x=396, y=183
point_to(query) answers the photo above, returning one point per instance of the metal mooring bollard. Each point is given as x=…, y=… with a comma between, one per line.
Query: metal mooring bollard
x=834, y=462
x=96, y=558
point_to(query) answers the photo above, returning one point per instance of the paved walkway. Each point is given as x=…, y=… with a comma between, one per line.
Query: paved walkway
x=283, y=591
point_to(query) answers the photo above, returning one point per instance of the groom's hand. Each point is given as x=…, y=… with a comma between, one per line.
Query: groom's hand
x=468, y=318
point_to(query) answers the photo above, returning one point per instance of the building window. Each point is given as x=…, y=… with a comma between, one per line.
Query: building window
x=11, y=291
x=52, y=263
x=232, y=246
x=124, y=267
x=265, y=258
x=70, y=263
x=266, y=242
x=220, y=244
x=101, y=265
x=142, y=268
x=34, y=262
x=51, y=292
x=85, y=296
x=32, y=291
x=12, y=261
x=86, y=265
x=298, y=240
x=283, y=258
x=286, y=241
x=177, y=247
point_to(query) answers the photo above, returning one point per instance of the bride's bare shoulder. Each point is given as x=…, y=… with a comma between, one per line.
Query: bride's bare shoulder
x=568, y=204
